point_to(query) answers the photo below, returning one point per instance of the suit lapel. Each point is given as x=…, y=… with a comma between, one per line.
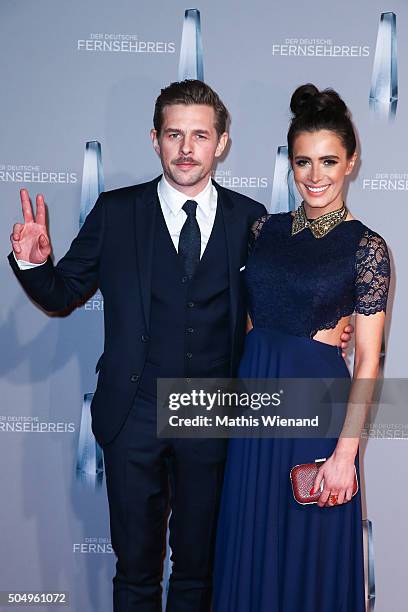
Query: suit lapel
x=145, y=212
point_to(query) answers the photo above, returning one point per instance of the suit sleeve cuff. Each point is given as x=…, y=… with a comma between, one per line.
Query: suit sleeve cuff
x=26, y=265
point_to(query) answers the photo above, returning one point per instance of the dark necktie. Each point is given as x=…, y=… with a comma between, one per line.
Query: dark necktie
x=189, y=247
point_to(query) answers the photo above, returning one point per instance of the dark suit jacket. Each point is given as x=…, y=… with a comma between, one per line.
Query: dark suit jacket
x=113, y=250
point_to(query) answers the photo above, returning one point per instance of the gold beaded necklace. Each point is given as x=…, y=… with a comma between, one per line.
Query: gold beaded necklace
x=320, y=226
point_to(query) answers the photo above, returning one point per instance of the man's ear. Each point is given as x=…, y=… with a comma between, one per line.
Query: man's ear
x=155, y=140
x=222, y=143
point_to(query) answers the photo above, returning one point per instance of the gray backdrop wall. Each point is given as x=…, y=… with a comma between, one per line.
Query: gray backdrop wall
x=75, y=72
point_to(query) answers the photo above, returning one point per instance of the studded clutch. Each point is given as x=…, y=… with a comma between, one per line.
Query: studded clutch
x=302, y=478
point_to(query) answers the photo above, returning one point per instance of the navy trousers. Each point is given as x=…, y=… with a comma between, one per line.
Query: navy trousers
x=146, y=477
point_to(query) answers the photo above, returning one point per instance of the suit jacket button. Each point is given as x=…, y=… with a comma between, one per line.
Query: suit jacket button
x=190, y=304
x=145, y=338
x=184, y=279
x=189, y=355
x=134, y=378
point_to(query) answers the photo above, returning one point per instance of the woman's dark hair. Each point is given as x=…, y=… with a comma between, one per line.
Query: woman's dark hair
x=315, y=110
x=190, y=91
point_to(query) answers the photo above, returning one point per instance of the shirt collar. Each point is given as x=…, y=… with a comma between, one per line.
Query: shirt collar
x=174, y=199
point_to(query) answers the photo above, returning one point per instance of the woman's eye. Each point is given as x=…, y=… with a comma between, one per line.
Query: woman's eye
x=304, y=162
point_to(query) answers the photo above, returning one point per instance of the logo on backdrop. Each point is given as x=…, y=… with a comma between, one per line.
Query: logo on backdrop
x=33, y=173
x=92, y=178
x=318, y=47
x=228, y=179
x=93, y=546
x=384, y=83
x=285, y=196
x=89, y=466
x=369, y=569
x=386, y=181
x=33, y=424
x=92, y=185
x=191, y=63
x=107, y=42
x=95, y=303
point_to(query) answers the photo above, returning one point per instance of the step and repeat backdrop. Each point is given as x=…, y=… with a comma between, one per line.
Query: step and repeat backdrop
x=79, y=82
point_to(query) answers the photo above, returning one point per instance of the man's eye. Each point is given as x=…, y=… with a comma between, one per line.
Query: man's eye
x=173, y=135
x=201, y=137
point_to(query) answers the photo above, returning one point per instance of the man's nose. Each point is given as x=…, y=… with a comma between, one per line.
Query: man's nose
x=186, y=145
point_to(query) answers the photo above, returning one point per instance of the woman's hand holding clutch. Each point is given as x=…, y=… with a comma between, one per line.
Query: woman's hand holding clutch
x=338, y=475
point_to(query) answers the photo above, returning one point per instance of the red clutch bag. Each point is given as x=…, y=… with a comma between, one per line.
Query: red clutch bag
x=302, y=478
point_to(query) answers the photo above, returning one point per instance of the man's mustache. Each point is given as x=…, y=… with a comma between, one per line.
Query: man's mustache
x=185, y=160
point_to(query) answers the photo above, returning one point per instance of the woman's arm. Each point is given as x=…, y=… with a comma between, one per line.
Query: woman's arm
x=371, y=291
x=338, y=471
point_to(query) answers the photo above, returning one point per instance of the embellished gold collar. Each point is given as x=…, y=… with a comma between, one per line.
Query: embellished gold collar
x=320, y=226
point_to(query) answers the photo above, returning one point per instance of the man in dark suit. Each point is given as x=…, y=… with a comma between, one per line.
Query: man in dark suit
x=168, y=257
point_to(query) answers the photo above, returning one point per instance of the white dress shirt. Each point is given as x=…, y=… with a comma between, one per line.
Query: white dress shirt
x=171, y=202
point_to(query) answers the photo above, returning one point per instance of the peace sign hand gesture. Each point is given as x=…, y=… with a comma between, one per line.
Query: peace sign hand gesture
x=30, y=240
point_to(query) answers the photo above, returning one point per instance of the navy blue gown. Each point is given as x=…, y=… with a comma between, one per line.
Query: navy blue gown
x=273, y=554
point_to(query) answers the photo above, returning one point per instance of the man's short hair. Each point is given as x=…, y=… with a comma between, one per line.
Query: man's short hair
x=188, y=92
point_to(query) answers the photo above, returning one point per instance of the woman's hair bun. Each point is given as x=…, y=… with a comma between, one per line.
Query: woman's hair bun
x=308, y=99
x=315, y=110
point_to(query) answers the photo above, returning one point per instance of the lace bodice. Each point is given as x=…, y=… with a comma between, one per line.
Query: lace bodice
x=301, y=284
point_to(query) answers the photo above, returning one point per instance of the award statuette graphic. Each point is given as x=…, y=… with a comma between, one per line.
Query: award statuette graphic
x=92, y=178
x=384, y=83
x=369, y=564
x=191, y=64
x=382, y=356
x=89, y=466
x=167, y=567
x=283, y=189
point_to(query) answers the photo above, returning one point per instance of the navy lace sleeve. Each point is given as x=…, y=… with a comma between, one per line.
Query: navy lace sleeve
x=373, y=274
x=256, y=230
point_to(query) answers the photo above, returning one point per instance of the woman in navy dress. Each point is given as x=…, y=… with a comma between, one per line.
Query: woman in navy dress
x=307, y=273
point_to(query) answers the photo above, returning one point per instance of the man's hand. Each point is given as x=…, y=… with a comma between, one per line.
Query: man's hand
x=345, y=338
x=30, y=240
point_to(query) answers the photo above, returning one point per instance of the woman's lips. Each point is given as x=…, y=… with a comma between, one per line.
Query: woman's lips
x=316, y=191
